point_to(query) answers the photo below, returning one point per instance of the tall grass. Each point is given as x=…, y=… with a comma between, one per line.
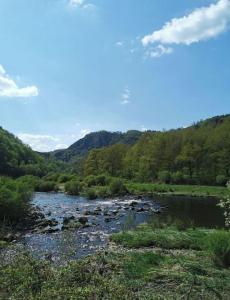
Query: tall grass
x=218, y=244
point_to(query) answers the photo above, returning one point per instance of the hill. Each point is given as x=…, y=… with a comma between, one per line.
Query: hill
x=16, y=157
x=199, y=154
x=95, y=140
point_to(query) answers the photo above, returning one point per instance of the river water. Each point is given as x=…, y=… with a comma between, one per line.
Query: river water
x=113, y=215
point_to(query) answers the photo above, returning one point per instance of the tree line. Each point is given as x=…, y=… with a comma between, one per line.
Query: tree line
x=199, y=154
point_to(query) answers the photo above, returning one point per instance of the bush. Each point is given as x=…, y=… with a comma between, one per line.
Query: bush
x=177, y=178
x=218, y=243
x=73, y=188
x=164, y=177
x=30, y=180
x=117, y=187
x=221, y=180
x=103, y=192
x=14, y=199
x=46, y=186
x=90, y=180
x=100, y=180
x=91, y=194
x=51, y=177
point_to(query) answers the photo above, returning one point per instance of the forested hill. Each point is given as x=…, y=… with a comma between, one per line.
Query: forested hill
x=197, y=154
x=95, y=140
x=15, y=157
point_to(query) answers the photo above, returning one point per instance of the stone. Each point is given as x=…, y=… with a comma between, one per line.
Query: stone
x=83, y=220
x=66, y=220
x=133, y=203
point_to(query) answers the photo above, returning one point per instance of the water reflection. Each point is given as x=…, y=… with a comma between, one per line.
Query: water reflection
x=199, y=212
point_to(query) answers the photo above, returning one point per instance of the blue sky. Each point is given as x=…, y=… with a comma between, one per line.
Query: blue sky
x=68, y=67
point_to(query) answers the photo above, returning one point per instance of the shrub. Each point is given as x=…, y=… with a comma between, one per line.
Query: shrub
x=91, y=194
x=103, y=192
x=164, y=176
x=90, y=180
x=46, y=186
x=218, y=243
x=117, y=187
x=221, y=180
x=100, y=180
x=51, y=177
x=73, y=188
x=30, y=180
x=177, y=178
x=14, y=199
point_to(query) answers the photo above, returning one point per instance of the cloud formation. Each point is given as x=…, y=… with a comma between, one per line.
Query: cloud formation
x=126, y=95
x=46, y=143
x=8, y=87
x=80, y=4
x=202, y=24
x=158, y=51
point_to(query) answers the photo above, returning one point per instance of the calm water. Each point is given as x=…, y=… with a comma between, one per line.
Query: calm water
x=77, y=243
x=200, y=212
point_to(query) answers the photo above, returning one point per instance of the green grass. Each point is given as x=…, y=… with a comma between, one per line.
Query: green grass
x=167, y=238
x=117, y=275
x=169, y=189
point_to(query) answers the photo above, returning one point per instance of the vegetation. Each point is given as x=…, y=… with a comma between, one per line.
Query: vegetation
x=198, y=154
x=73, y=187
x=15, y=198
x=91, y=194
x=95, y=140
x=178, y=190
x=117, y=187
x=145, y=273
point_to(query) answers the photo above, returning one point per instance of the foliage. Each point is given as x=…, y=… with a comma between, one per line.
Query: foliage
x=96, y=140
x=73, y=187
x=117, y=187
x=164, y=176
x=221, y=180
x=91, y=194
x=46, y=186
x=117, y=275
x=218, y=244
x=225, y=205
x=198, y=154
x=15, y=198
x=103, y=192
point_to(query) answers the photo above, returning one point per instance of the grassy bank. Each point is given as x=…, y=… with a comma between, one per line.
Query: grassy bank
x=106, y=186
x=187, y=264
x=177, y=190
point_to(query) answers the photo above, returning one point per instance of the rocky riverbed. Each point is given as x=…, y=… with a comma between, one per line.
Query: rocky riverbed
x=71, y=227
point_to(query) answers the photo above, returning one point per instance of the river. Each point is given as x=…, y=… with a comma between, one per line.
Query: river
x=108, y=216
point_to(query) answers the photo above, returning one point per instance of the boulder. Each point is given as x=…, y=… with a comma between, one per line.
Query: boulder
x=83, y=220
x=66, y=220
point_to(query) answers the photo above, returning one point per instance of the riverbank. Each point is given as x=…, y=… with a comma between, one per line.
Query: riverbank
x=185, y=264
x=176, y=190
x=150, y=190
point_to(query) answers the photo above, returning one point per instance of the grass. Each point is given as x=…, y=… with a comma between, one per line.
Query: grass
x=183, y=190
x=117, y=275
x=167, y=238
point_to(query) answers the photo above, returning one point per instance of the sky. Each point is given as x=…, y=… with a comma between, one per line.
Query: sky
x=70, y=67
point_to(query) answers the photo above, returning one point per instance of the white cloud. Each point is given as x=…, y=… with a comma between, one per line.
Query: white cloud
x=9, y=88
x=202, y=24
x=158, y=51
x=119, y=44
x=81, y=4
x=42, y=143
x=46, y=143
x=83, y=133
x=125, y=97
